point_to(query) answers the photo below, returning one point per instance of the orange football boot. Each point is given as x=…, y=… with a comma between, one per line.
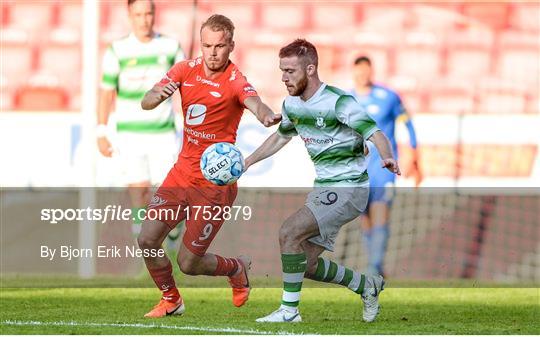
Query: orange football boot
x=240, y=282
x=167, y=308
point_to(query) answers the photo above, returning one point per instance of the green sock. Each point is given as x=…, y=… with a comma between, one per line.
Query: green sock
x=294, y=267
x=331, y=272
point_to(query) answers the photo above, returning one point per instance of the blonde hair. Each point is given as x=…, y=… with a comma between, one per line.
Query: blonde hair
x=217, y=23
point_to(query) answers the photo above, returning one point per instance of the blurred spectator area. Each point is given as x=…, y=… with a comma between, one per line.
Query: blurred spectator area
x=469, y=160
x=469, y=58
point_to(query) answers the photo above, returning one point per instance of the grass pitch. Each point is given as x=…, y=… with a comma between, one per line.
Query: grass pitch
x=324, y=311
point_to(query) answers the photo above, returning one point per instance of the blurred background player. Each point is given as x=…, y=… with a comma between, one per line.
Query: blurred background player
x=214, y=94
x=385, y=107
x=333, y=127
x=131, y=66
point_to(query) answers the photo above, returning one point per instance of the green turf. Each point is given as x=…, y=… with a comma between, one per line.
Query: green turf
x=144, y=281
x=324, y=311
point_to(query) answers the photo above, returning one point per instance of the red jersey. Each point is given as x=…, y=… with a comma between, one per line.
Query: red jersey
x=212, y=109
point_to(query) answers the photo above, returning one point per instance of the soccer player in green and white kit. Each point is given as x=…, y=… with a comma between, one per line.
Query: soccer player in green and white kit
x=334, y=128
x=145, y=145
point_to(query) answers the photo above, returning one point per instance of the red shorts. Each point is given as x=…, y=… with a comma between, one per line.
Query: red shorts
x=197, y=201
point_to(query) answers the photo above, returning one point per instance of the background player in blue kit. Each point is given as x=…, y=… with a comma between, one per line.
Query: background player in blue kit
x=385, y=107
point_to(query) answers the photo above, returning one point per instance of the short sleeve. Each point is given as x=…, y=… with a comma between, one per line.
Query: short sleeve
x=110, y=69
x=351, y=113
x=173, y=75
x=286, y=126
x=241, y=87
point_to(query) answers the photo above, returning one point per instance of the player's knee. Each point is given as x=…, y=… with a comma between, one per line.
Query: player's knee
x=188, y=266
x=147, y=242
x=289, y=235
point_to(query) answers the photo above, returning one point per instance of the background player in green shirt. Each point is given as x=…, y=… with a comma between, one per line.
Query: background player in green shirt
x=145, y=144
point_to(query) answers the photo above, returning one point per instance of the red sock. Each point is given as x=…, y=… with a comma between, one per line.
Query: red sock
x=226, y=266
x=164, y=280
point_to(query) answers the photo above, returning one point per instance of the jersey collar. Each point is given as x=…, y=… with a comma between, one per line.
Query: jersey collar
x=132, y=37
x=220, y=77
x=316, y=94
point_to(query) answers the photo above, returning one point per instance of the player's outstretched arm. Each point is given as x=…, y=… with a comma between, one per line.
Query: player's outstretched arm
x=271, y=145
x=264, y=114
x=385, y=150
x=158, y=94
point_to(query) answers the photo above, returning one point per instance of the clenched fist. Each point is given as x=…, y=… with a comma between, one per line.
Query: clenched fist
x=391, y=165
x=158, y=94
x=168, y=90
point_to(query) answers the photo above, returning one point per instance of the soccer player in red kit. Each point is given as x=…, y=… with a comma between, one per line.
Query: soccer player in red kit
x=214, y=94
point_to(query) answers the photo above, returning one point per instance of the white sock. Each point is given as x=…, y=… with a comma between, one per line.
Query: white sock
x=293, y=310
x=370, y=284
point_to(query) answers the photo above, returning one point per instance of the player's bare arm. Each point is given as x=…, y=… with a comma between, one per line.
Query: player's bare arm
x=158, y=94
x=106, y=97
x=269, y=147
x=264, y=114
x=414, y=168
x=385, y=150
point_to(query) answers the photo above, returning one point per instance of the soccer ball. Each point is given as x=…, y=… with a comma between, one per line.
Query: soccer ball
x=222, y=163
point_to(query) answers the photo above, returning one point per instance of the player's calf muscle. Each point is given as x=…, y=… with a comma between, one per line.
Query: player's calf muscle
x=291, y=237
x=188, y=266
x=191, y=264
x=312, y=257
x=311, y=267
x=295, y=230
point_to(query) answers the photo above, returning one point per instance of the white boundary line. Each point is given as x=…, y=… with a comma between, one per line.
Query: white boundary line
x=148, y=326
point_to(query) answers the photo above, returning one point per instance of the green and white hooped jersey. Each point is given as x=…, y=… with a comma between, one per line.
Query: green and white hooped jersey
x=333, y=127
x=132, y=67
